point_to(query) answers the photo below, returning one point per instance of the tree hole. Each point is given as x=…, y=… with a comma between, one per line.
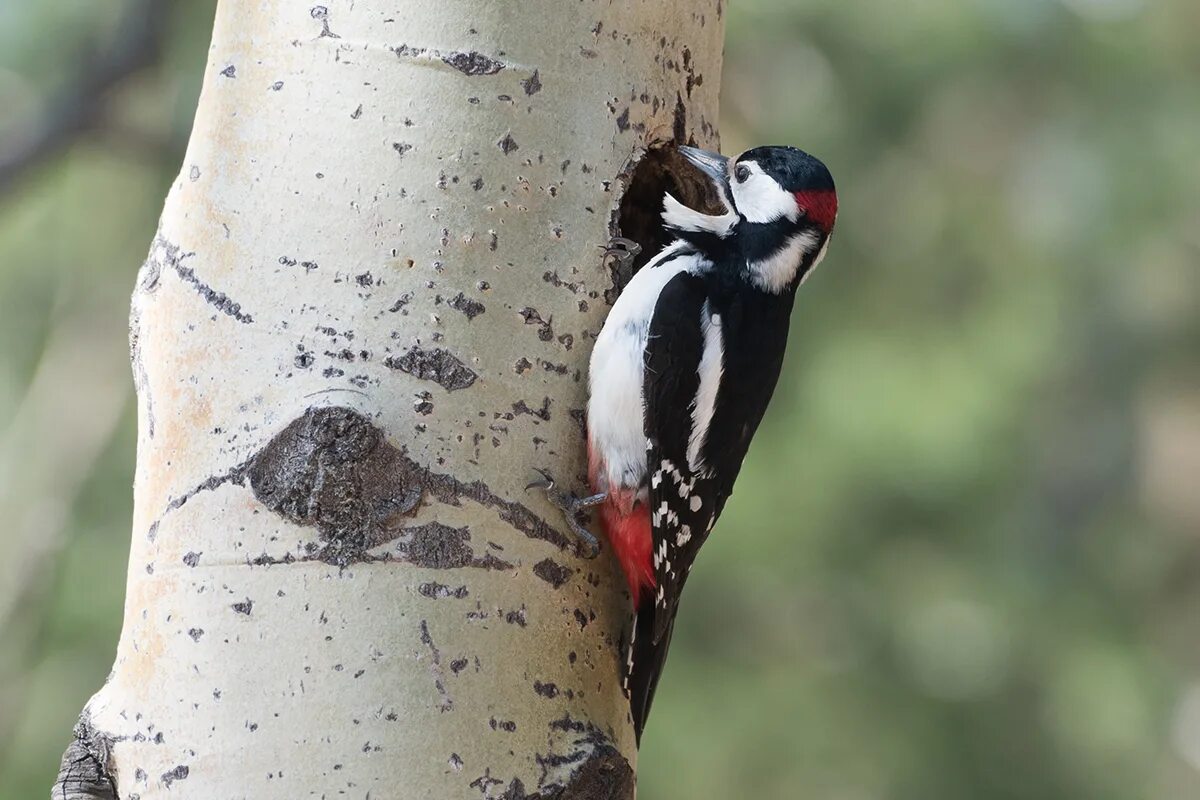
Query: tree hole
x=639, y=215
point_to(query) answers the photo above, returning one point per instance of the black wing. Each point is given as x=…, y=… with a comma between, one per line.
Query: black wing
x=682, y=504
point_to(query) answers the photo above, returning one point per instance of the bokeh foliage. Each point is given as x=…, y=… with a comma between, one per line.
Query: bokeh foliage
x=962, y=560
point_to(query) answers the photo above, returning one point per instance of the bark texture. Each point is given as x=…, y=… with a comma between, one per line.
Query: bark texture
x=364, y=320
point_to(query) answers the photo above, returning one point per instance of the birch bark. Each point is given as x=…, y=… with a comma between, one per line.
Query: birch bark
x=364, y=320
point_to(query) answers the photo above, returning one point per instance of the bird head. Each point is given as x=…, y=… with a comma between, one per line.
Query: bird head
x=782, y=205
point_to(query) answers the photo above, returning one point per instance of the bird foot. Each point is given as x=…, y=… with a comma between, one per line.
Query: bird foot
x=572, y=506
x=623, y=251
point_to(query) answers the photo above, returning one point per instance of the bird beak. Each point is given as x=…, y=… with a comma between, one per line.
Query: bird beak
x=714, y=165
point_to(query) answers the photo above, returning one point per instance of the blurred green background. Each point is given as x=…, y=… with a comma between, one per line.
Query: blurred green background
x=963, y=560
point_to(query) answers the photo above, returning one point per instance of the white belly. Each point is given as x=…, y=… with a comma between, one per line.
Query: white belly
x=616, y=405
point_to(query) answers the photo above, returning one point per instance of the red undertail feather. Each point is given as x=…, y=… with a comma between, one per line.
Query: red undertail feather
x=629, y=534
x=627, y=527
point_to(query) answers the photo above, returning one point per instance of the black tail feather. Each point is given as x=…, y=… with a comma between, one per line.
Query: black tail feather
x=647, y=661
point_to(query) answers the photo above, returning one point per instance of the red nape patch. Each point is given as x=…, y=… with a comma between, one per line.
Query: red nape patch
x=820, y=206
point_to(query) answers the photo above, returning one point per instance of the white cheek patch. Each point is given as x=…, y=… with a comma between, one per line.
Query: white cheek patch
x=760, y=199
x=774, y=273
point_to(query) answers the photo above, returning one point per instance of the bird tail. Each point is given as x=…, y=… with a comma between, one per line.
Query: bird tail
x=644, y=661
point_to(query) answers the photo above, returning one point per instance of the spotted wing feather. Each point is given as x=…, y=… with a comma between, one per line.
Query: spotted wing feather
x=681, y=500
x=681, y=505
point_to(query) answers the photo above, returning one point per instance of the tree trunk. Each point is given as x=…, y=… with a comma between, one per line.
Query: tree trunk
x=365, y=319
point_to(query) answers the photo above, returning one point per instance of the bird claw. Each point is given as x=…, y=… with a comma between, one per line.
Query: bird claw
x=620, y=244
x=623, y=250
x=546, y=483
x=571, y=506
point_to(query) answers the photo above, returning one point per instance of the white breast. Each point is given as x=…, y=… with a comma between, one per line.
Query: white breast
x=616, y=404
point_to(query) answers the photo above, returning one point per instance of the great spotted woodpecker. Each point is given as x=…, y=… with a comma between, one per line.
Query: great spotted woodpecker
x=682, y=372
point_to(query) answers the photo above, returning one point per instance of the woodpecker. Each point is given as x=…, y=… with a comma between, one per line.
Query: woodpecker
x=682, y=372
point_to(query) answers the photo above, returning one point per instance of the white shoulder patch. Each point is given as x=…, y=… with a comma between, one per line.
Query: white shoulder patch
x=678, y=216
x=710, y=369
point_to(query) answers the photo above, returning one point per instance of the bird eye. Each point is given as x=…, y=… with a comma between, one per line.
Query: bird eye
x=741, y=173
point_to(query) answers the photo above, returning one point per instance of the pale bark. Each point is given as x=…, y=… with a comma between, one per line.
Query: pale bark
x=364, y=321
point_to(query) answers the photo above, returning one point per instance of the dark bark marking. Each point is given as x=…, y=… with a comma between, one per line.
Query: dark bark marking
x=470, y=308
x=170, y=256
x=177, y=774
x=680, y=125
x=600, y=772
x=401, y=303
x=322, y=13
x=552, y=278
x=521, y=407
x=437, y=546
x=568, y=724
x=473, y=63
x=439, y=591
x=508, y=144
x=580, y=418
x=437, y=365
x=469, y=63
x=531, y=316
x=210, y=483
x=423, y=403
x=333, y=469
x=547, y=690
x=448, y=489
x=141, y=381
x=436, y=668
x=485, y=782
x=552, y=572
x=533, y=84
x=489, y=561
